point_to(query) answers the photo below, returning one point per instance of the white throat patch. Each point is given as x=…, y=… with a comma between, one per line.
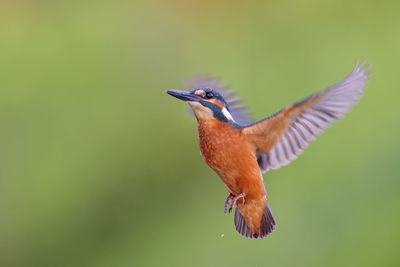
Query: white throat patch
x=200, y=111
x=227, y=114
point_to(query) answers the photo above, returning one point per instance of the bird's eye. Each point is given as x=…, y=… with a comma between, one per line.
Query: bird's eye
x=209, y=95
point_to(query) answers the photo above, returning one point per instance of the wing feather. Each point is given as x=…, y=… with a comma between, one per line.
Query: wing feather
x=282, y=137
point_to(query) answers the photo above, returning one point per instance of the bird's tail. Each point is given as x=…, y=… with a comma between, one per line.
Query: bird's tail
x=267, y=224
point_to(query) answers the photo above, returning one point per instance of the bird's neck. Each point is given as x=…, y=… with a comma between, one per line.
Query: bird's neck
x=214, y=127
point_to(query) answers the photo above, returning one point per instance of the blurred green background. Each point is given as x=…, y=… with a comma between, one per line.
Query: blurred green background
x=99, y=167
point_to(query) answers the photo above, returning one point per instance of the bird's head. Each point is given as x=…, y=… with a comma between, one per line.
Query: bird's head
x=206, y=103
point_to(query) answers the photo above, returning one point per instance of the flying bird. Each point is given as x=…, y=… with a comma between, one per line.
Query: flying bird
x=239, y=150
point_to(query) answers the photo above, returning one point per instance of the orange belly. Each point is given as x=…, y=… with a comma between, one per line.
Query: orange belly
x=226, y=151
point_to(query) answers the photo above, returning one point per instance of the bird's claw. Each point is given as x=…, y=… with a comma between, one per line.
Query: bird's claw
x=233, y=203
x=226, y=204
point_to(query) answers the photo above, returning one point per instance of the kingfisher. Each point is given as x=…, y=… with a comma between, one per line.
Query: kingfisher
x=240, y=150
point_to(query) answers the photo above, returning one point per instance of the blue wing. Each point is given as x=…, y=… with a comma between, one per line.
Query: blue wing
x=280, y=138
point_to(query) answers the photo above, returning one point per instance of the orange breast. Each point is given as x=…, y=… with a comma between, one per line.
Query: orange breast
x=227, y=152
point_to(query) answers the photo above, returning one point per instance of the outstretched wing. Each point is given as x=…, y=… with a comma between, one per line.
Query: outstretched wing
x=237, y=109
x=281, y=137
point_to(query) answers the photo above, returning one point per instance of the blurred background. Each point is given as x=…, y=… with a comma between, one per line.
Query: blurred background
x=99, y=167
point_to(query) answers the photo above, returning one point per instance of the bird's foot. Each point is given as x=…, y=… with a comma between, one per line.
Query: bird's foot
x=227, y=200
x=233, y=203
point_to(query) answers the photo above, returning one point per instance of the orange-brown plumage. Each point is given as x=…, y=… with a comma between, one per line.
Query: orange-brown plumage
x=265, y=135
x=228, y=153
x=239, y=151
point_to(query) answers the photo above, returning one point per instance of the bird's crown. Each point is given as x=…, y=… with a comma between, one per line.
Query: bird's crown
x=208, y=93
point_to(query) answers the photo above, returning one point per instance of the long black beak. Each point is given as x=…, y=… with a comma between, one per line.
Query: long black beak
x=185, y=96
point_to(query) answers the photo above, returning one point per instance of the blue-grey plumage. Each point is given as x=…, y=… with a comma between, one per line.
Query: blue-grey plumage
x=331, y=105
